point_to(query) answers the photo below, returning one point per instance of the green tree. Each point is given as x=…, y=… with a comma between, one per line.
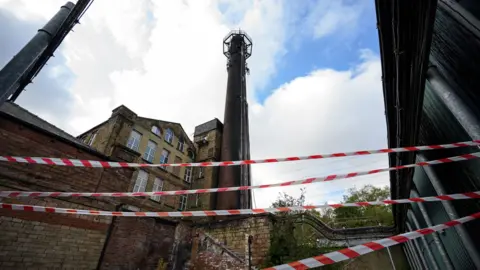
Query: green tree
x=291, y=241
x=365, y=216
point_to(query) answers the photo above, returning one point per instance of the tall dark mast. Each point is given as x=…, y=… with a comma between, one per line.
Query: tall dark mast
x=237, y=47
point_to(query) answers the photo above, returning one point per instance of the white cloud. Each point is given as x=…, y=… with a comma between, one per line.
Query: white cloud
x=326, y=111
x=338, y=17
x=164, y=59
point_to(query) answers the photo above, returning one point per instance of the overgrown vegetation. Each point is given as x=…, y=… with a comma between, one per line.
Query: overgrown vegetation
x=291, y=240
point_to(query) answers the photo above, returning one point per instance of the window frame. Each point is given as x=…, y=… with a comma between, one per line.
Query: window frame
x=92, y=138
x=188, y=175
x=197, y=199
x=162, y=156
x=132, y=146
x=169, y=135
x=182, y=205
x=149, y=151
x=143, y=182
x=156, y=128
x=181, y=142
x=157, y=187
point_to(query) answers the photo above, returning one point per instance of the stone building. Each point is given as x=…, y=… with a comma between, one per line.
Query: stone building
x=208, y=140
x=143, y=140
x=48, y=240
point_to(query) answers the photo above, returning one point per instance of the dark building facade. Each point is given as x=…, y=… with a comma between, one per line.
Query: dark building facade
x=430, y=61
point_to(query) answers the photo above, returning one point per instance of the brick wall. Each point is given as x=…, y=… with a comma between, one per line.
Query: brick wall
x=57, y=235
x=28, y=244
x=139, y=243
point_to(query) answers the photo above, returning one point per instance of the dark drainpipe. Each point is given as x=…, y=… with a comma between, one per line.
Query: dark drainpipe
x=107, y=238
x=250, y=240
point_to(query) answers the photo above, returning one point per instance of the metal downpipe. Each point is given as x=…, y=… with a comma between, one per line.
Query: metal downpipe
x=411, y=250
x=436, y=238
x=459, y=109
x=417, y=249
x=424, y=241
x=407, y=255
x=452, y=213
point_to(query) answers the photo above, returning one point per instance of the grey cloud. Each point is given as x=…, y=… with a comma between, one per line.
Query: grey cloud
x=48, y=95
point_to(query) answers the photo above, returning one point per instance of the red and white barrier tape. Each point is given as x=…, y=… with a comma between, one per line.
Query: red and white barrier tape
x=233, y=212
x=108, y=164
x=356, y=251
x=224, y=189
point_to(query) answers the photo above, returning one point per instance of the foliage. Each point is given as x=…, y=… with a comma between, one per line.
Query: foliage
x=365, y=216
x=290, y=240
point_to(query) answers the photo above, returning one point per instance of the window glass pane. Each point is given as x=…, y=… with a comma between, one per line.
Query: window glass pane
x=188, y=174
x=134, y=140
x=156, y=130
x=141, y=182
x=150, y=151
x=183, y=202
x=157, y=186
x=180, y=145
x=169, y=135
x=92, y=138
x=164, y=156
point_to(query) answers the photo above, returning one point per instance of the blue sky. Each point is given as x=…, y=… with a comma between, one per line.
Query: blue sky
x=335, y=51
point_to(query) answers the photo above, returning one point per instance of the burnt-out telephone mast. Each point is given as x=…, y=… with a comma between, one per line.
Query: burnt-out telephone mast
x=237, y=47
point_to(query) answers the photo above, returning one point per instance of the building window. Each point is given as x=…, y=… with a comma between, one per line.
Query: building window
x=188, y=174
x=183, y=203
x=141, y=182
x=134, y=140
x=176, y=170
x=191, y=154
x=157, y=186
x=92, y=138
x=164, y=157
x=197, y=199
x=156, y=130
x=169, y=136
x=201, y=172
x=180, y=144
x=150, y=151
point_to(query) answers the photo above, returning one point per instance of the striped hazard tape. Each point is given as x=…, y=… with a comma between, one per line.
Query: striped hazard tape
x=202, y=213
x=108, y=164
x=356, y=251
x=224, y=189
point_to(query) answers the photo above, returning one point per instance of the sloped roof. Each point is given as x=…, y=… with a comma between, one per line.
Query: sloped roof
x=17, y=112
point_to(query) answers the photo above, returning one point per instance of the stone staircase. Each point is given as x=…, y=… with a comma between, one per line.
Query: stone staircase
x=216, y=254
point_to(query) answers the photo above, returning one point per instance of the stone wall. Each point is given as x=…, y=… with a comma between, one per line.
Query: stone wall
x=233, y=234
x=208, y=146
x=213, y=255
